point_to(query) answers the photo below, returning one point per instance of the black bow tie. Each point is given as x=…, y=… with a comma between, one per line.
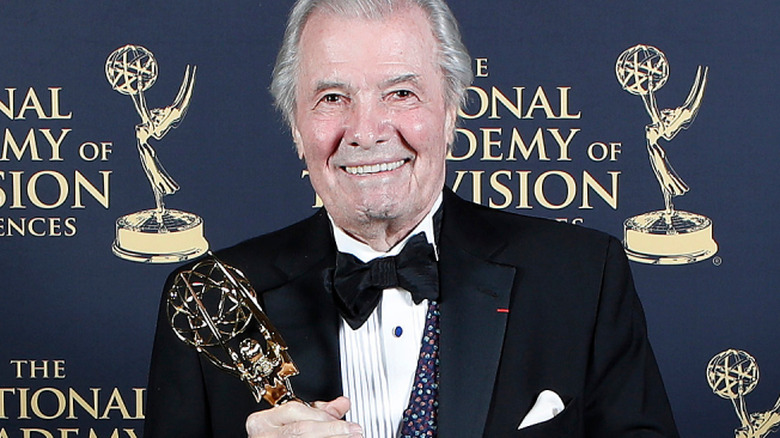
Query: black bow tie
x=357, y=286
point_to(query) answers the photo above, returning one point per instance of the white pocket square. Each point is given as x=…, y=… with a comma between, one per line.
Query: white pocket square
x=548, y=404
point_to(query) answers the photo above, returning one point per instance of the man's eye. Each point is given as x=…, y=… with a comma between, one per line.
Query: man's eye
x=402, y=94
x=332, y=98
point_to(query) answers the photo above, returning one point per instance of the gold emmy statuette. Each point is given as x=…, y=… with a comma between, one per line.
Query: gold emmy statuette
x=732, y=374
x=213, y=308
x=668, y=236
x=158, y=235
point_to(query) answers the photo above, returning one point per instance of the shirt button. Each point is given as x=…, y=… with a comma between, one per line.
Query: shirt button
x=398, y=331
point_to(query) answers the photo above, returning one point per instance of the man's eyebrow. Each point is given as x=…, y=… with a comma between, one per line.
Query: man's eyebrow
x=409, y=77
x=326, y=85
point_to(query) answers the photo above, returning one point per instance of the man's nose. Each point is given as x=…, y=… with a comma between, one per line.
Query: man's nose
x=367, y=125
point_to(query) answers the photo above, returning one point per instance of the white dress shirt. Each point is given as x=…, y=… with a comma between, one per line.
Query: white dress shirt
x=379, y=359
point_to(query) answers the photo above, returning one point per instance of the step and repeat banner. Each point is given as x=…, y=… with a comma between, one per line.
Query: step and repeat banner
x=135, y=134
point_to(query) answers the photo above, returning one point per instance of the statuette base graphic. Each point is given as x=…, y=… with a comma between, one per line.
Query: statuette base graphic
x=668, y=238
x=151, y=236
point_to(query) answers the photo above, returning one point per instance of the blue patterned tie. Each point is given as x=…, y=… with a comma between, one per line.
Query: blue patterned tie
x=420, y=416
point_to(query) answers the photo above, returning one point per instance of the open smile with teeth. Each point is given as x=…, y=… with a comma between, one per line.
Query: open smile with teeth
x=368, y=169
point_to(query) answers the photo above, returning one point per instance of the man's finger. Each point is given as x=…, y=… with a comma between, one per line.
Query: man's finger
x=297, y=419
x=337, y=407
x=288, y=413
x=323, y=429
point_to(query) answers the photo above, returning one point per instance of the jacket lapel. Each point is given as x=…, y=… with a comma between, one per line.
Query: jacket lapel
x=303, y=311
x=475, y=293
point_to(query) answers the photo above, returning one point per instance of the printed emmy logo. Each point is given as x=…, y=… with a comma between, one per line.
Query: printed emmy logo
x=159, y=235
x=732, y=374
x=669, y=236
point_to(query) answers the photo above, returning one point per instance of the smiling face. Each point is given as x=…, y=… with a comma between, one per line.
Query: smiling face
x=371, y=120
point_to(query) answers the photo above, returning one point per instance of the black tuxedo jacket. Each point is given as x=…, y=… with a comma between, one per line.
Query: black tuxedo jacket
x=526, y=305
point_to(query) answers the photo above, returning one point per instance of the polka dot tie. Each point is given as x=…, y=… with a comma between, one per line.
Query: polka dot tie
x=419, y=418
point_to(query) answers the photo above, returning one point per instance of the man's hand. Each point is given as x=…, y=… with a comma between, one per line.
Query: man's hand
x=324, y=419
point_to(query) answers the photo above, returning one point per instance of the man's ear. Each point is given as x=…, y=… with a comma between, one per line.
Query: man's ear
x=449, y=124
x=296, y=134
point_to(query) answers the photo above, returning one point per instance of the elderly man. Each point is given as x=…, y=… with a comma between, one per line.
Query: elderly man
x=498, y=325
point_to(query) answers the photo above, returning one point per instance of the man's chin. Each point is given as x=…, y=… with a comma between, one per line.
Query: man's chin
x=380, y=210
